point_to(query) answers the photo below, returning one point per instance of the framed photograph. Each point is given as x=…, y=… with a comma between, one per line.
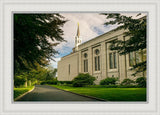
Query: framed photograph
x=98, y=68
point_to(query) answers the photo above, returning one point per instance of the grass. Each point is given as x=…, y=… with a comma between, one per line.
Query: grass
x=109, y=94
x=20, y=91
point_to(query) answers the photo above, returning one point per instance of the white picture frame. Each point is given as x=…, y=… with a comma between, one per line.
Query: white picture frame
x=7, y=107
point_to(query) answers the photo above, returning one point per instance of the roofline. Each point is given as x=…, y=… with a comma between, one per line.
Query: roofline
x=68, y=54
x=91, y=40
x=107, y=32
x=99, y=36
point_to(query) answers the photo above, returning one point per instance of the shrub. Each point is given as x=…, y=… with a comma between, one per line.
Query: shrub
x=112, y=86
x=49, y=82
x=127, y=86
x=19, y=80
x=127, y=82
x=108, y=81
x=83, y=80
x=141, y=81
x=65, y=82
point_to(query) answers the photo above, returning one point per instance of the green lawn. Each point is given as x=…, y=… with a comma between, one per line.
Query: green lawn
x=109, y=94
x=20, y=91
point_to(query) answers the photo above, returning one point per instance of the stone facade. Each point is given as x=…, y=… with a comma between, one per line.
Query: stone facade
x=101, y=61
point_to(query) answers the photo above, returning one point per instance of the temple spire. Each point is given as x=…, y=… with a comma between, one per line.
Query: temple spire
x=78, y=31
x=78, y=40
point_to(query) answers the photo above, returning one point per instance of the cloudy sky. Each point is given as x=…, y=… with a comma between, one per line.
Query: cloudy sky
x=91, y=25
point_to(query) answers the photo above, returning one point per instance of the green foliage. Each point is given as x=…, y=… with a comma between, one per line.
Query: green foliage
x=127, y=82
x=109, y=81
x=19, y=80
x=136, y=31
x=20, y=91
x=141, y=81
x=42, y=74
x=128, y=86
x=35, y=36
x=109, y=94
x=113, y=86
x=51, y=74
x=52, y=71
x=65, y=82
x=54, y=82
x=83, y=80
x=36, y=76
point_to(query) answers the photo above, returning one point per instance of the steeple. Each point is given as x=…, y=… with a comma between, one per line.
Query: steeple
x=78, y=40
x=78, y=32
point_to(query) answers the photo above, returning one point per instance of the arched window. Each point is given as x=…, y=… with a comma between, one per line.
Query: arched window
x=97, y=60
x=113, y=60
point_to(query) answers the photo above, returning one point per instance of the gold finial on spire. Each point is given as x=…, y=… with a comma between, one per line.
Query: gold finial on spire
x=78, y=31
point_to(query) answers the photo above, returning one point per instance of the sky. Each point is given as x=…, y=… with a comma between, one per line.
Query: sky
x=91, y=25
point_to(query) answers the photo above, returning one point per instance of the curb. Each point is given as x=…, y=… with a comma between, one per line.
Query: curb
x=99, y=99
x=24, y=94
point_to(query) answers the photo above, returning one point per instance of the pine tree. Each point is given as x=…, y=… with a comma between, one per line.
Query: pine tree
x=135, y=29
x=35, y=36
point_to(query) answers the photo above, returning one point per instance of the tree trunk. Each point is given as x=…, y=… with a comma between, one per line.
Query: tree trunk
x=26, y=84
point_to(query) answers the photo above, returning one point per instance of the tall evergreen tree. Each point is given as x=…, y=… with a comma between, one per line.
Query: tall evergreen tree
x=35, y=36
x=136, y=31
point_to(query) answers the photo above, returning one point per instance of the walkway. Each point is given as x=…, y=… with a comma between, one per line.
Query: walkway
x=48, y=93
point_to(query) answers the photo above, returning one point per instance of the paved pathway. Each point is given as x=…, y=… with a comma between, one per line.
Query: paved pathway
x=48, y=93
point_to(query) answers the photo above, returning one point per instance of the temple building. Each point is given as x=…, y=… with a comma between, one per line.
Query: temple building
x=96, y=58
